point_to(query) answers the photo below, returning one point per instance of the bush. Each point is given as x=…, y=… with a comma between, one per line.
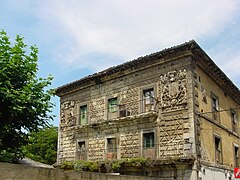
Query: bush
x=86, y=166
x=67, y=165
x=105, y=166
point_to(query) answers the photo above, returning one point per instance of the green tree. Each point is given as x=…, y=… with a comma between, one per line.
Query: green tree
x=24, y=101
x=42, y=145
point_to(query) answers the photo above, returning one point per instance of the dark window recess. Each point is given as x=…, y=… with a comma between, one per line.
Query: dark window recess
x=215, y=108
x=148, y=100
x=148, y=140
x=81, y=146
x=111, y=144
x=236, y=158
x=218, y=151
x=234, y=120
x=215, y=103
x=82, y=153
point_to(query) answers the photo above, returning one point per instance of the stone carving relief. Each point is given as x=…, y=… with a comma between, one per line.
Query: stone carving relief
x=96, y=109
x=67, y=113
x=96, y=149
x=129, y=144
x=171, y=137
x=131, y=100
x=173, y=90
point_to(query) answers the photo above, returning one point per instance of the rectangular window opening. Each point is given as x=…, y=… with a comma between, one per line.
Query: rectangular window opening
x=81, y=146
x=111, y=144
x=236, y=156
x=148, y=140
x=112, y=105
x=215, y=108
x=148, y=100
x=234, y=120
x=83, y=115
x=81, y=150
x=111, y=148
x=215, y=103
x=218, y=150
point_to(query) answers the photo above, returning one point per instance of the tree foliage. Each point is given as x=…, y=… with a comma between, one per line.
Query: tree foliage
x=42, y=146
x=24, y=102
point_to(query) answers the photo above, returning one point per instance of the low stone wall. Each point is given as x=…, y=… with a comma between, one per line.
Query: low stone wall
x=20, y=172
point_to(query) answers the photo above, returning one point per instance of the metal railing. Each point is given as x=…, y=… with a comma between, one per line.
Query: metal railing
x=122, y=110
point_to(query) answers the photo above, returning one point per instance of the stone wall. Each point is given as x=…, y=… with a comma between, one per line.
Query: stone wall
x=172, y=126
x=221, y=127
x=21, y=172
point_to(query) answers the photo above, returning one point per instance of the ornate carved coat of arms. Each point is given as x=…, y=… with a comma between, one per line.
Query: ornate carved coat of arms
x=173, y=90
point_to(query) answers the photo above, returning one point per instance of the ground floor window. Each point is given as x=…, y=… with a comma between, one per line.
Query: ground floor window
x=218, y=150
x=81, y=150
x=148, y=140
x=236, y=159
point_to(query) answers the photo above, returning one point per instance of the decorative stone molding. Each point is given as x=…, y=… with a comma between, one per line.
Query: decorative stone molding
x=129, y=143
x=171, y=141
x=96, y=109
x=67, y=113
x=131, y=100
x=173, y=90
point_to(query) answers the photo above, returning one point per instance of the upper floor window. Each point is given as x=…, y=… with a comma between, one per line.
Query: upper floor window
x=83, y=115
x=81, y=146
x=112, y=105
x=215, y=108
x=218, y=150
x=148, y=100
x=148, y=140
x=234, y=120
x=215, y=103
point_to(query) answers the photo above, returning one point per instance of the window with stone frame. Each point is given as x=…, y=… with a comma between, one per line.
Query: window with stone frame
x=83, y=115
x=234, y=120
x=148, y=100
x=112, y=105
x=81, y=146
x=215, y=108
x=236, y=155
x=111, y=148
x=218, y=149
x=81, y=150
x=111, y=144
x=148, y=140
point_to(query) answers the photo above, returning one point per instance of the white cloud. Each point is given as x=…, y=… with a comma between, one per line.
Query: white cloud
x=232, y=67
x=128, y=29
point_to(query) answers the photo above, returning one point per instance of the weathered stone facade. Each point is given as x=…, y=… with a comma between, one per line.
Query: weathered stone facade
x=158, y=111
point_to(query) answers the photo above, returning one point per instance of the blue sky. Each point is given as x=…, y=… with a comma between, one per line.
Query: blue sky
x=79, y=37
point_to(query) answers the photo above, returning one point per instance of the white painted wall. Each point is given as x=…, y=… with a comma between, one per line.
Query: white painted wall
x=212, y=173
